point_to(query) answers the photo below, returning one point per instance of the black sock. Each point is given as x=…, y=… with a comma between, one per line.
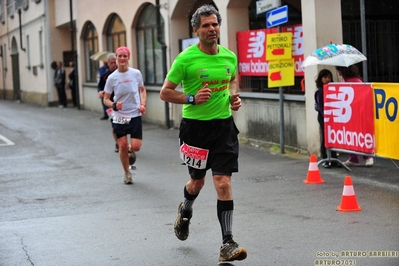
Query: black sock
x=188, y=203
x=225, y=215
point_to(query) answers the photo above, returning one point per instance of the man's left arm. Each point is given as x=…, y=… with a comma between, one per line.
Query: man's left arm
x=235, y=100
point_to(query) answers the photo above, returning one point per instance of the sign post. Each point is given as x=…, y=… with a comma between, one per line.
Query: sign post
x=277, y=77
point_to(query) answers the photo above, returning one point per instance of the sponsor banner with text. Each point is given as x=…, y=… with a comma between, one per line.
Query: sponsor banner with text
x=252, y=45
x=348, y=117
x=386, y=119
x=279, y=46
x=281, y=73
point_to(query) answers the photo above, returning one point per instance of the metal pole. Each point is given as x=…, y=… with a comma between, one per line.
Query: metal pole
x=364, y=38
x=281, y=105
x=164, y=66
x=74, y=54
x=281, y=97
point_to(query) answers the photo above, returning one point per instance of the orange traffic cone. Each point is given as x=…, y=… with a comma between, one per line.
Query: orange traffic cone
x=348, y=201
x=313, y=176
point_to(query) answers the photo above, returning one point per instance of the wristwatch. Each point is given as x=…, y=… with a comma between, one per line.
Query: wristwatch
x=114, y=106
x=191, y=99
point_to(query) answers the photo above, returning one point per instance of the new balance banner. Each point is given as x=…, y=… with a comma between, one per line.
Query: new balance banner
x=348, y=117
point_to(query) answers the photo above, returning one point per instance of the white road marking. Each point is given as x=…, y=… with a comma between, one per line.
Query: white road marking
x=6, y=140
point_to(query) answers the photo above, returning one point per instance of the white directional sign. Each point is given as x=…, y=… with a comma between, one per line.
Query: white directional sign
x=277, y=16
x=265, y=5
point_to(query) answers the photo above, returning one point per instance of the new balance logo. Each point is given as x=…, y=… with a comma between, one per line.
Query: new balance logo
x=337, y=105
x=256, y=46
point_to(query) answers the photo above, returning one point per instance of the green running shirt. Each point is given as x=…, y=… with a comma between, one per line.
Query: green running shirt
x=193, y=69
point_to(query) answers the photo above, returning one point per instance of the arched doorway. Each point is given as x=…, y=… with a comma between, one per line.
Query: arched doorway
x=15, y=70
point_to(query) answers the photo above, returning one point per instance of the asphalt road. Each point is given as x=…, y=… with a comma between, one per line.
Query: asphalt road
x=63, y=201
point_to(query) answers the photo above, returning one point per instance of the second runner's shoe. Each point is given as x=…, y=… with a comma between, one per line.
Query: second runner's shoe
x=128, y=179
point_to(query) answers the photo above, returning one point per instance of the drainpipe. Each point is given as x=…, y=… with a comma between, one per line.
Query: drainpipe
x=20, y=29
x=75, y=56
x=164, y=67
x=3, y=72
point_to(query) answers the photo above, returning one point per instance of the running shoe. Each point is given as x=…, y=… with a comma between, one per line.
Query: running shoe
x=128, y=179
x=232, y=251
x=181, y=224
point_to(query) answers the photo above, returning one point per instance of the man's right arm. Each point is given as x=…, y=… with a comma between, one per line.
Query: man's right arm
x=170, y=94
x=107, y=100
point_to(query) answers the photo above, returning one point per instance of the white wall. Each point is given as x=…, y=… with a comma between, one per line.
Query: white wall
x=321, y=20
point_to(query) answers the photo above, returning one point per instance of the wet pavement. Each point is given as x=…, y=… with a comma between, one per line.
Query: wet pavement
x=63, y=201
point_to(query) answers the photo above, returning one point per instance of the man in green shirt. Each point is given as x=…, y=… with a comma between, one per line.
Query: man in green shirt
x=208, y=134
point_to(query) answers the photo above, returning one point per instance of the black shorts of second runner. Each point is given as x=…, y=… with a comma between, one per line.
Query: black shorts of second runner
x=219, y=136
x=134, y=128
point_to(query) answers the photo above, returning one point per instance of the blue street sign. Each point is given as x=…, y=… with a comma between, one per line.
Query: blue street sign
x=277, y=16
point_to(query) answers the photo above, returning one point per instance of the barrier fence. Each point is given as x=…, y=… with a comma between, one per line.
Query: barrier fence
x=361, y=118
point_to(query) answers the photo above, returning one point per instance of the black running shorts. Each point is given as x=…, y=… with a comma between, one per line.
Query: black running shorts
x=134, y=128
x=220, y=137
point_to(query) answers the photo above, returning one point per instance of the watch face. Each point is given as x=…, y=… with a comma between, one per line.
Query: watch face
x=191, y=99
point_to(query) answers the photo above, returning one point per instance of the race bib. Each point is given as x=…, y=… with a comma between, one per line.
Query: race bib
x=193, y=156
x=120, y=120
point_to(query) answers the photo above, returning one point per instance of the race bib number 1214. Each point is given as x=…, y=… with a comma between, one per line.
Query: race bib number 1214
x=194, y=156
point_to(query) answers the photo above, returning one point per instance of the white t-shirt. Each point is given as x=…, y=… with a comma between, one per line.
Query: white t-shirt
x=125, y=86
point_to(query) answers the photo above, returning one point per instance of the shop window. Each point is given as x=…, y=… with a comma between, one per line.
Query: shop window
x=260, y=83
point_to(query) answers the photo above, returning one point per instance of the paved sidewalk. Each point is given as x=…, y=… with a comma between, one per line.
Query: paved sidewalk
x=384, y=172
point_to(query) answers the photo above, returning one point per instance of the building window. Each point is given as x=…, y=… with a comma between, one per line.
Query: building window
x=2, y=15
x=10, y=8
x=116, y=34
x=149, y=49
x=90, y=48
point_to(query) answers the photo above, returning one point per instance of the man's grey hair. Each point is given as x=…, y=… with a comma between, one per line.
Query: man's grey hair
x=204, y=11
x=111, y=56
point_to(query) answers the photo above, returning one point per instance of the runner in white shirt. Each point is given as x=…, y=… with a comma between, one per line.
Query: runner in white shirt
x=129, y=104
